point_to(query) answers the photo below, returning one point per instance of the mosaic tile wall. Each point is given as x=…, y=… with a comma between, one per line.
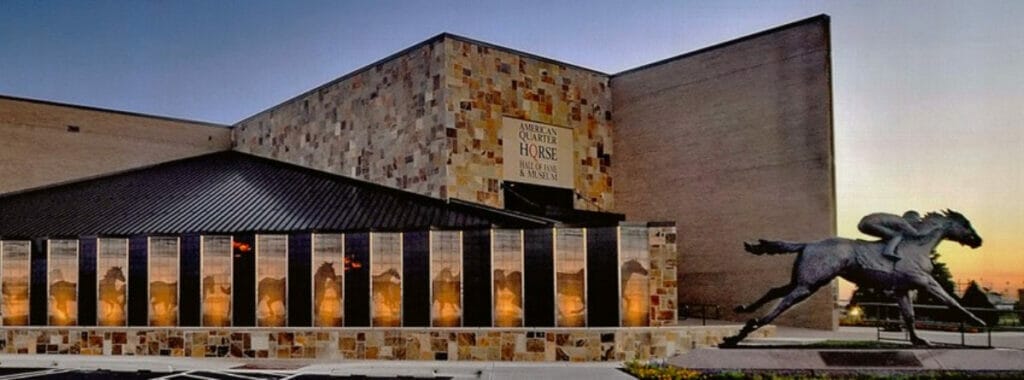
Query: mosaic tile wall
x=664, y=261
x=594, y=344
x=484, y=83
x=381, y=125
x=428, y=121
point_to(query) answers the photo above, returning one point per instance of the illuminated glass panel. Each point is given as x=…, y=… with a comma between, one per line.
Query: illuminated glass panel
x=386, y=279
x=446, y=278
x=111, y=282
x=62, y=282
x=634, y=278
x=328, y=281
x=271, y=280
x=570, y=277
x=507, y=263
x=15, y=259
x=215, y=268
x=163, y=281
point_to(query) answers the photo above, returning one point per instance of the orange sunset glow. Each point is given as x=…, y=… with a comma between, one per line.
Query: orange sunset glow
x=960, y=153
x=928, y=116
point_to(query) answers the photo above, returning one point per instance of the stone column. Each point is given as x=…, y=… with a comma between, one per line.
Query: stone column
x=664, y=289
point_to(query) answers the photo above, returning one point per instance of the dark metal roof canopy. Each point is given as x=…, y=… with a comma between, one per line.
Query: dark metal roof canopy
x=229, y=192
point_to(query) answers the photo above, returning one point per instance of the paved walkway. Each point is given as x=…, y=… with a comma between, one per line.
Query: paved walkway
x=187, y=368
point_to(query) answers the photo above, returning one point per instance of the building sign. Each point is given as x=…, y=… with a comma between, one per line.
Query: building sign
x=536, y=153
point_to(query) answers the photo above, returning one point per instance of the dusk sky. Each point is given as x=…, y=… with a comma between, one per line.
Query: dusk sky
x=929, y=96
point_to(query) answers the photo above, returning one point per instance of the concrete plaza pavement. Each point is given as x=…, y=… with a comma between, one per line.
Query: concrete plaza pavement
x=1000, y=339
x=1007, y=353
x=796, y=335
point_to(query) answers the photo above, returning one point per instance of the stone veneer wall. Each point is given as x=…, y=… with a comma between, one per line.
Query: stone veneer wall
x=485, y=83
x=382, y=124
x=591, y=344
x=664, y=261
x=428, y=120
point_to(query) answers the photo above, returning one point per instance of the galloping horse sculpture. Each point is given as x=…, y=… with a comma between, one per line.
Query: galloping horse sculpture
x=111, y=289
x=862, y=263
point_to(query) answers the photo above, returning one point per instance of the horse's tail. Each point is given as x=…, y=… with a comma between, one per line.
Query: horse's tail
x=773, y=247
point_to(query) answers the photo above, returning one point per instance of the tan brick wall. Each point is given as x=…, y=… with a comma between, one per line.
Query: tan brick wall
x=381, y=124
x=36, y=148
x=486, y=83
x=733, y=143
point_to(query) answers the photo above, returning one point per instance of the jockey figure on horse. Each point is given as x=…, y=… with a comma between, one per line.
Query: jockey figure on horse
x=892, y=228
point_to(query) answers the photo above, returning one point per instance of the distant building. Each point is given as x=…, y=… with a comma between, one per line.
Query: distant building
x=999, y=308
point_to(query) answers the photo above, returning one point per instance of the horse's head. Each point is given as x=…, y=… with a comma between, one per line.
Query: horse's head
x=115, y=273
x=957, y=227
x=325, y=269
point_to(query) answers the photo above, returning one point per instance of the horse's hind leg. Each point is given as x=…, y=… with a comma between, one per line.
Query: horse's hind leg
x=770, y=295
x=799, y=293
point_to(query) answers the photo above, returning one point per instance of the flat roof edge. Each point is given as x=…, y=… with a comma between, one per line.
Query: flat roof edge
x=523, y=53
x=103, y=175
x=348, y=75
x=817, y=18
x=438, y=37
x=108, y=110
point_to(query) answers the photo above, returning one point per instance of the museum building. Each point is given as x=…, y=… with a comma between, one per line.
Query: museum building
x=456, y=200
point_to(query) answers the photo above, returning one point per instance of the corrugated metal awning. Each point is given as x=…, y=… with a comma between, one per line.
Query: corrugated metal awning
x=231, y=192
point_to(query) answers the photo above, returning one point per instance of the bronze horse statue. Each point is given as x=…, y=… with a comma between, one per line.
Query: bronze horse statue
x=862, y=263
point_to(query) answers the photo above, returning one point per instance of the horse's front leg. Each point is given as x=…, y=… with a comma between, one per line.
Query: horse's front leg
x=933, y=287
x=907, y=311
